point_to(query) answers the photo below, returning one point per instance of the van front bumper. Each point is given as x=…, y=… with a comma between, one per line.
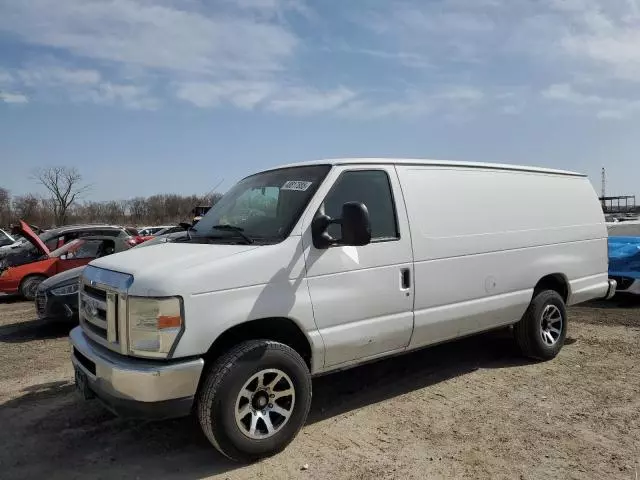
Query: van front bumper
x=133, y=387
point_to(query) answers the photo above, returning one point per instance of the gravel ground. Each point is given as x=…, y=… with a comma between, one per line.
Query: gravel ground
x=467, y=409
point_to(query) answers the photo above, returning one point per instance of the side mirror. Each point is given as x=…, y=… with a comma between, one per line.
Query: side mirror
x=355, y=225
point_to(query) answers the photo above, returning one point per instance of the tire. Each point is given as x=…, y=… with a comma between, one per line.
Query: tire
x=220, y=402
x=29, y=286
x=529, y=332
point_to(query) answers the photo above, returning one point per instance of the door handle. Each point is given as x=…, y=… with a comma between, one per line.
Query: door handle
x=405, y=278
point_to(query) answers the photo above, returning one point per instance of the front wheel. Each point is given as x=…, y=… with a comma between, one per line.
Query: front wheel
x=254, y=400
x=29, y=286
x=541, y=332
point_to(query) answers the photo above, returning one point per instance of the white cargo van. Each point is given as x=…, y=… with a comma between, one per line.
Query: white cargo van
x=310, y=268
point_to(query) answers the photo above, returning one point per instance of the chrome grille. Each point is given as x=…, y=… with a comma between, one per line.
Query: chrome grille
x=102, y=307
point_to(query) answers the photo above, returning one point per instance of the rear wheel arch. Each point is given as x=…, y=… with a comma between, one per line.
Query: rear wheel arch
x=557, y=282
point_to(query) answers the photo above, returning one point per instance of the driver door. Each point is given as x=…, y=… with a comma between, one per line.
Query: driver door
x=362, y=297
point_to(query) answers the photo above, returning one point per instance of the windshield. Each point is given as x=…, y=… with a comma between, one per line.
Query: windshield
x=264, y=206
x=5, y=238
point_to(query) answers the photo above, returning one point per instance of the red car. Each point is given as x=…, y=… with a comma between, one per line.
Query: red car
x=23, y=273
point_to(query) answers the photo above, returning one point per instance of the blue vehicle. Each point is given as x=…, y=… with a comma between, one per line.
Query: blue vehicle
x=624, y=263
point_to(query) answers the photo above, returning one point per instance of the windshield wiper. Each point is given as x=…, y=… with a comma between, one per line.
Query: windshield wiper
x=237, y=230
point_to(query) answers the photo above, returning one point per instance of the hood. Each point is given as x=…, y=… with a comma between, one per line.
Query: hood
x=167, y=257
x=27, y=233
x=624, y=254
x=68, y=276
x=191, y=268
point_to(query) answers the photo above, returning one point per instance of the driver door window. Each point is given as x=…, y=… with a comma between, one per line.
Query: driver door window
x=372, y=188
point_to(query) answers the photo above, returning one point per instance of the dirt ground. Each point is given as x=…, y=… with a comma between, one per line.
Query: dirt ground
x=467, y=409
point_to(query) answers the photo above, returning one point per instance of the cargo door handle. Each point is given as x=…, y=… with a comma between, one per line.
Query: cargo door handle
x=405, y=279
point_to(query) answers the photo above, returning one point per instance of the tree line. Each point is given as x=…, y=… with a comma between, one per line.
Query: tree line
x=64, y=204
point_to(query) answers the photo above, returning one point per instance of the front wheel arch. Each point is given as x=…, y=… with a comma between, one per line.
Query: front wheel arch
x=277, y=329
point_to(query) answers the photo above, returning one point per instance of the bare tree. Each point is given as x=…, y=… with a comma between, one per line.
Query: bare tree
x=64, y=185
x=5, y=207
x=27, y=208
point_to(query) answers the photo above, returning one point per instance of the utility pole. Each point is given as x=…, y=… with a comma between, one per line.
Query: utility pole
x=603, y=192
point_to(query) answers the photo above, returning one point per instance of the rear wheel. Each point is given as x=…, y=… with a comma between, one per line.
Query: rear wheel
x=254, y=400
x=29, y=286
x=541, y=332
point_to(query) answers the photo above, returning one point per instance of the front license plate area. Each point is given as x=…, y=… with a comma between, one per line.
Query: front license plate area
x=82, y=385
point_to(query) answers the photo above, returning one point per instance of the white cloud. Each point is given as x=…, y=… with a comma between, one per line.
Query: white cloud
x=5, y=77
x=57, y=75
x=242, y=94
x=304, y=100
x=438, y=32
x=270, y=96
x=411, y=105
x=606, y=34
x=405, y=58
x=158, y=36
x=566, y=93
x=8, y=97
x=604, y=107
x=131, y=96
x=230, y=51
x=554, y=41
x=78, y=86
x=455, y=102
x=462, y=94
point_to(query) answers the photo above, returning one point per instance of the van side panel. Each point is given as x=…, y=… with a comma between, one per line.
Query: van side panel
x=482, y=239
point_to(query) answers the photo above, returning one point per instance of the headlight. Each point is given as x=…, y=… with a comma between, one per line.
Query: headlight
x=154, y=325
x=65, y=290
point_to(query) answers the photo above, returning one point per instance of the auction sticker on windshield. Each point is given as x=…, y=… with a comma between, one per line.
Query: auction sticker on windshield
x=298, y=185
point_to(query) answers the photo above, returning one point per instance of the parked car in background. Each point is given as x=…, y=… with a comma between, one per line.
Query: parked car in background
x=624, y=263
x=337, y=263
x=138, y=239
x=20, y=274
x=18, y=241
x=57, y=296
x=199, y=212
x=624, y=255
x=6, y=239
x=57, y=237
x=148, y=231
x=165, y=231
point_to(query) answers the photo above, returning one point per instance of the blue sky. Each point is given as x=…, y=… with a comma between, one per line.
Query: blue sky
x=175, y=95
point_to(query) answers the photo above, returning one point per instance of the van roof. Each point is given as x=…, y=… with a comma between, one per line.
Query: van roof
x=444, y=163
